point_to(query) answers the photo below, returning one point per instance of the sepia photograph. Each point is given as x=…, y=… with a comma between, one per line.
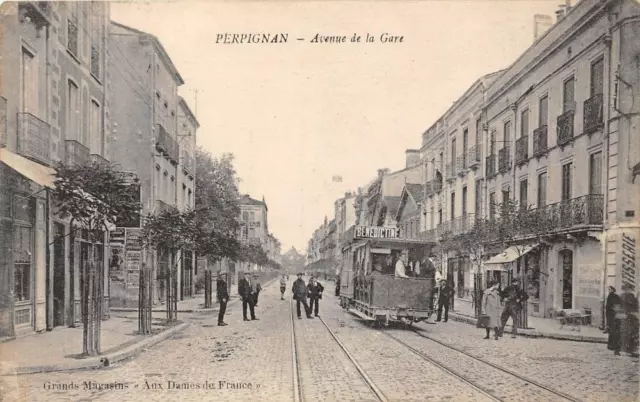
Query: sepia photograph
x=320, y=200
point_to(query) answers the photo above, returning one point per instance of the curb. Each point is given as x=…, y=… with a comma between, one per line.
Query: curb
x=98, y=362
x=528, y=333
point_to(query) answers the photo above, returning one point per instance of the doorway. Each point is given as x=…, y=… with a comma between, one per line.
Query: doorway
x=566, y=259
x=58, y=275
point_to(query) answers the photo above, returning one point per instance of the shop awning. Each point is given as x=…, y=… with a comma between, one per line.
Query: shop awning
x=33, y=171
x=511, y=254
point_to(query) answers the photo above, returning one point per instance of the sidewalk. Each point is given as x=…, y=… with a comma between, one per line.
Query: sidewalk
x=192, y=305
x=539, y=327
x=61, y=349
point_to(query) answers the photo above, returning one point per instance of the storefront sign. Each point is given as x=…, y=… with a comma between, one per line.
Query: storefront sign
x=628, y=258
x=133, y=268
x=589, y=281
x=376, y=232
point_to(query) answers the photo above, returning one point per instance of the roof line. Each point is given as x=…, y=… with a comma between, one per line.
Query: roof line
x=190, y=114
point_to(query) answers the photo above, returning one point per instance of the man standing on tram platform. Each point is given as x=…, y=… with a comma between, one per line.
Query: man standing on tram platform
x=400, y=271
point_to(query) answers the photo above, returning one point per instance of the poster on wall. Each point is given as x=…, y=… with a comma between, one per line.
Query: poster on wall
x=589, y=281
x=116, y=257
x=133, y=257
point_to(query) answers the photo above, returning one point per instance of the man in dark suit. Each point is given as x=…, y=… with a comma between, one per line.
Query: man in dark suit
x=247, y=295
x=444, y=299
x=223, y=298
x=315, y=294
x=300, y=296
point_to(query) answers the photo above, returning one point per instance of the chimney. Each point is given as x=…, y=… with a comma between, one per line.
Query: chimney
x=541, y=23
x=559, y=14
x=412, y=157
x=382, y=173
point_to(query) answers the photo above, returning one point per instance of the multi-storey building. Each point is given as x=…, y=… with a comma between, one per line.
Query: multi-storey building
x=253, y=219
x=53, y=108
x=344, y=217
x=153, y=135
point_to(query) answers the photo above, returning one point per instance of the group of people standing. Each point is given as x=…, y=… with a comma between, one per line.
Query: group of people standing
x=500, y=305
x=622, y=321
x=249, y=290
x=302, y=291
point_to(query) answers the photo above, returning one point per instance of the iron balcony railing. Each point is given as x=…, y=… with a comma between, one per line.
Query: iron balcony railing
x=444, y=229
x=428, y=236
x=433, y=187
x=451, y=171
x=34, y=138
x=504, y=160
x=522, y=149
x=539, y=141
x=491, y=166
x=3, y=122
x=565, y=127
x=461, y=163
x=96, y=158
x=166, y=144
x=474, y=155
x=76, y=153
x=593, y=119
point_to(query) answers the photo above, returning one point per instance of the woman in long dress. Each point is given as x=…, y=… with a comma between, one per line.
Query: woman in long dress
x=623, y=334
x=492, y=308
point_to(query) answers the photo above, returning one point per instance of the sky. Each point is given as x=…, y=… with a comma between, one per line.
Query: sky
x=296, y=114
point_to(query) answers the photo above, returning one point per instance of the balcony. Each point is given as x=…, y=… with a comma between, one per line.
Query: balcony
x=166, y=144
x=188, y=165
x=522, y=150
x=77, y=154
x=98, y=159
x=540, y=141
x=451, y=171
x=504, y=160
x=474, y=155
x=162, y=207
x=461, y=164
x=433, y=187
x=593, y=120
x=36, y=12
x=3, y=122
x=444, y=229
x=428, y=236
x=565, y=127
x=491, y=166
x=34, y=138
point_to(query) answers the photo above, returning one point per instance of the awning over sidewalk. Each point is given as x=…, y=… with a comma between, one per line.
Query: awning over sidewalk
x=33, y=171
x=509, y=255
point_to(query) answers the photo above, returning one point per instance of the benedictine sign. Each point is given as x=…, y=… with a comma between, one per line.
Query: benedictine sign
x=376, y=232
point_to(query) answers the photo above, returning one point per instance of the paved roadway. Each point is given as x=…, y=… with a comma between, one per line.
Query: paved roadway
x=254, y=362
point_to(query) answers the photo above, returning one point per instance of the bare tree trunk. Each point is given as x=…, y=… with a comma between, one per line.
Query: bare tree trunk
x=86, y=338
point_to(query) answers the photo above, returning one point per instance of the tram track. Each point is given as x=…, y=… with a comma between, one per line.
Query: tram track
x=475, y=365
x=298, y=376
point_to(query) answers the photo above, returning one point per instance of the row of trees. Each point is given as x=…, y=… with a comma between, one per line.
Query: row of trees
x=95, y=195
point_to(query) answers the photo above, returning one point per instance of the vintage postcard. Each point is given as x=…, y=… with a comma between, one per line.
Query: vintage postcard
x=281, y=200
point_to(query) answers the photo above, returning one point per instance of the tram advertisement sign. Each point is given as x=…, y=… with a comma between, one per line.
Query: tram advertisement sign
x=376, y=232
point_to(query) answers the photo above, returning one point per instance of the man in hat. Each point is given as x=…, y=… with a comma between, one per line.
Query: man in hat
x=444, y=297
x=248, y=297
x=300, y=296
x=256, y=287
x=223, y=298
x=514, y=298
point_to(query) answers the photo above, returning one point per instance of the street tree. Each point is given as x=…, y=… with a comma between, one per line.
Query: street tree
x=92, y=195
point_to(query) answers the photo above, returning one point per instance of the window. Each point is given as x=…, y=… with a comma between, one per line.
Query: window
x=441, y=160
x=493, y=143
x=95, y=142
x=29, y=82
x=465, y=147
x=566, y=181
x=478, y=209
x=507, y=134
x=464, y=201
x=543, y=111
x=72, y=31
x=440, y=216
x=568, y=95
x=252, y=214
x=597, y=77
x=190, y=198
x=542, y=190
x=492, y=205
x=432, y=218
x=165, y=186
x=595, y=173
x=172, y=190
x=524, y=189
x=453, y=151
x=73, y=111
x=505, y=195
x=22, y=263
x=185, y=200
x=453, y=205
x=245, y=216
x=85, y=126
x=524, y=123
x=158, y=182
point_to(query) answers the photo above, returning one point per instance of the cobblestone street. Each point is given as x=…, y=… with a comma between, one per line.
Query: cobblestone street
x=253, y=361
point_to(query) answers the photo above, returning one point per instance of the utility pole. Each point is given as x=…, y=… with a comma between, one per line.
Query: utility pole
x=196, y=102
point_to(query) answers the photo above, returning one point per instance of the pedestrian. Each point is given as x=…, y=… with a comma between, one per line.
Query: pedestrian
x=492, y=309
x=257, y=288
x=247, y=294
x=514, y=298
x=300, y=296
x=315, y=294
x=283, y=286
x=623, y=334
x=444, y=298
x=338, y=285
x=223, y=297
x=612, y=300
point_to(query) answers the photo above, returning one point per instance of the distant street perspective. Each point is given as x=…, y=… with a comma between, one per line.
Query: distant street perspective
x=313, y=201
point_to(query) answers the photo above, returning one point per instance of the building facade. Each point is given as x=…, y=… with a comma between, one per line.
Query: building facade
x=54, y=108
